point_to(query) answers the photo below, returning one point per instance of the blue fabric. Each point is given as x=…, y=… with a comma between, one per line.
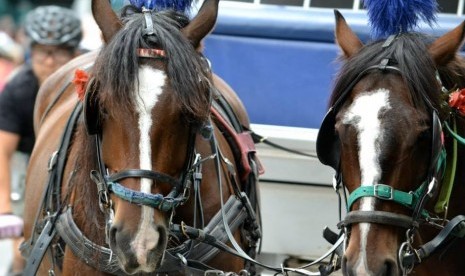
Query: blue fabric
x=152, y=200
x=178, y=5
x=281, y=61
x=280, y=82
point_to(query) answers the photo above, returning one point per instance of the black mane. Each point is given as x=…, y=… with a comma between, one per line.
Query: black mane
x=117, y=65
x=409, y=53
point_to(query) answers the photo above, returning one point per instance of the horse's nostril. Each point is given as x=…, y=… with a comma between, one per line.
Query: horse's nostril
x=113, y=232
x=390, y=268
x=163, y=237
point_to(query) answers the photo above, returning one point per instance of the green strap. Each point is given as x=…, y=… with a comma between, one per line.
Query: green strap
x=454, y=133
x=449, y=178
x=381, y=191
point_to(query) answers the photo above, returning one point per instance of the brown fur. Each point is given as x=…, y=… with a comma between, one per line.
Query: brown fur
x=404, y=156
x=169, y=143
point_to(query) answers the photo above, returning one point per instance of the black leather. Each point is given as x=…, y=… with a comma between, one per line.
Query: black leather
x=327, y=143
x=40, y=247
x=92, y=118
x=137, y=173
x=378, y=217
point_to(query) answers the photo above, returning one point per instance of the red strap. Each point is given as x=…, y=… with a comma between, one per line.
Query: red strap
x=245, y=144
x=150, y=53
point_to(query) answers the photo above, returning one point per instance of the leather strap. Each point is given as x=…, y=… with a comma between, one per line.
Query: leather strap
x=92, y=254
x=100, y=257
x=381, y=191
x=50, y=198
x=157, y=201
x=455, y=227
x=378, y=217
x=40, y=247
x=137, y=173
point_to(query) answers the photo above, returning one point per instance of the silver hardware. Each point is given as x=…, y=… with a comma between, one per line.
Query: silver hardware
x=376, y=193
x=52, y=161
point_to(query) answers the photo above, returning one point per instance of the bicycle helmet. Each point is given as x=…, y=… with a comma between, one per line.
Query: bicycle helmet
x=53, y=25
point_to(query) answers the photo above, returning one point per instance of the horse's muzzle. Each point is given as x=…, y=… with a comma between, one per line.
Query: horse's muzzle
x=141, y=251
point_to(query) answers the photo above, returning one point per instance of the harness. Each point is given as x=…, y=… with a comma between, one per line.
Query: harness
x=236, y=211
x=328, y=151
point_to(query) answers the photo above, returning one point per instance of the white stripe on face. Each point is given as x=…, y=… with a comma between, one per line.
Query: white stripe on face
x=151, y=82
x=364, y=115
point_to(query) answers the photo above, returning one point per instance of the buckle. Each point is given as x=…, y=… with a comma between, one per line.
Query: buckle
x=382, y=191
x=52, y=161
x=214, y=272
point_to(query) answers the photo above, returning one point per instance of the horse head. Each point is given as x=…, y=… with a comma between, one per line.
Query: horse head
x=149, y=97
x=383, y=137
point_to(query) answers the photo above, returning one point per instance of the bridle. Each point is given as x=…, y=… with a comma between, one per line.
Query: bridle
x=108, y=183
x=328, y=151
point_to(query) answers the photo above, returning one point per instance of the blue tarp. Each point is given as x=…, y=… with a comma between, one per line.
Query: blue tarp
x=281, y=61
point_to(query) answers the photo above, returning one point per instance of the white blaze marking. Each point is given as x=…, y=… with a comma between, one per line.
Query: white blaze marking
x=151, y=82
x=363, y=114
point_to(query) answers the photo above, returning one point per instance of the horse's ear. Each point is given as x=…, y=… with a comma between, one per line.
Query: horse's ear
x=106, y=19
x=202, y=23
x=444, y=49
x=347, y=40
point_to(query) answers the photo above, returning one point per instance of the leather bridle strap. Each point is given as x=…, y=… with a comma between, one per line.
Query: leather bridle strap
x=50, y=200
x=383, y=66
x=137, y=173
x=455, y=228
x=412, y=200
x=378, y=217
x=384, y=192
x=157, y=201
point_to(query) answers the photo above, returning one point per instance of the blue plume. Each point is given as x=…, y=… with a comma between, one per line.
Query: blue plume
x=177, y=5
x=388, y=17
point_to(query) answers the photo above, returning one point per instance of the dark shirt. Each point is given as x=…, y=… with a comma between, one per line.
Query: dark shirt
x=17, y=107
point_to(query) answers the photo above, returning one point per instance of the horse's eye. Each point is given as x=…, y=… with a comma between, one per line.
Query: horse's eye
x=424, y=135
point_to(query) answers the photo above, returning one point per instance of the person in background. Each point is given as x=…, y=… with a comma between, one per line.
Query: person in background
x=54, y=33
x=10, y=57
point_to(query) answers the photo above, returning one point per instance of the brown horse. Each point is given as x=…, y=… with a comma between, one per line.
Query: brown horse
x=149, y=171
x=383, y=136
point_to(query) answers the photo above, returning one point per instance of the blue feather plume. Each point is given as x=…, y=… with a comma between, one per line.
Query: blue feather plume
x=177, y=5
x=388, y=17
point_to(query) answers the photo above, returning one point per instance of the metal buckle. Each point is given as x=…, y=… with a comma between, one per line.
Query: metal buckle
x=214, y=272
x=377, y=188
x=52, y=161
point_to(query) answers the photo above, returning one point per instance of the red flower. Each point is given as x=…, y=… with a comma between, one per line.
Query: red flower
x=80, y=81
x=457, y=101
